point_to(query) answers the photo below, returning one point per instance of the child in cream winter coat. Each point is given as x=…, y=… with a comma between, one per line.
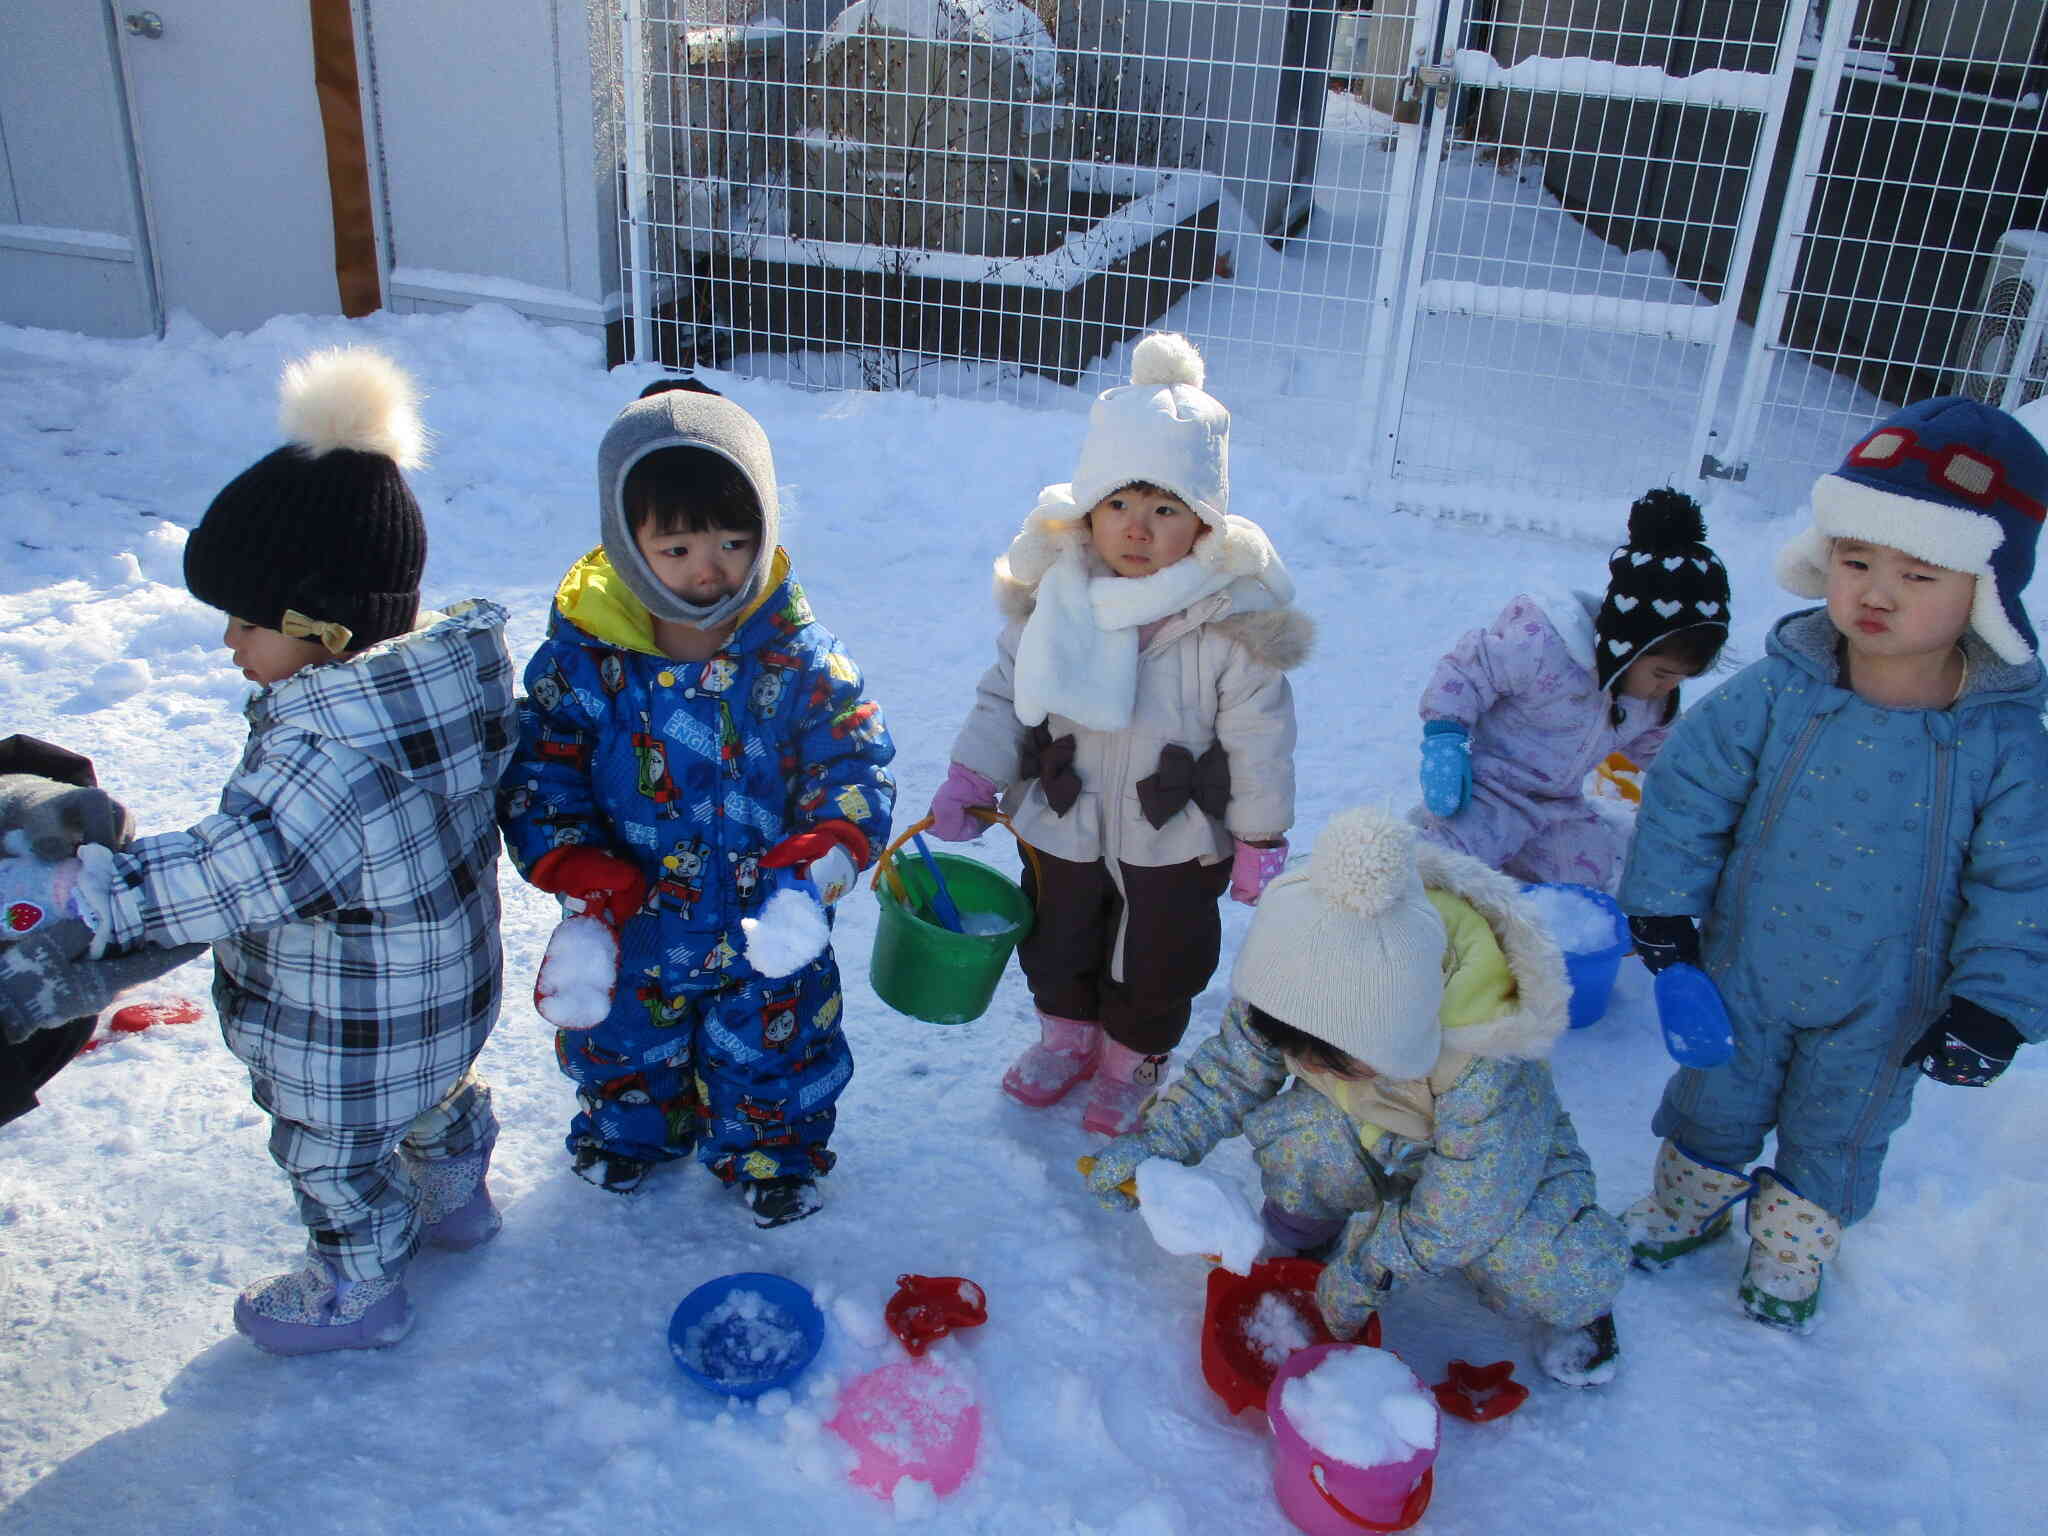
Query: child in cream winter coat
x=1138, y=728
x=1384, y=1054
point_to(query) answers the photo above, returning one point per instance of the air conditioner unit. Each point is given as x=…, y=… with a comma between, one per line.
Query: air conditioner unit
x=2001, y=348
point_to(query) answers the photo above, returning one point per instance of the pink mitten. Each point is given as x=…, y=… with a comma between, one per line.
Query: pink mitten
x=1252, y=869
x=963, y=790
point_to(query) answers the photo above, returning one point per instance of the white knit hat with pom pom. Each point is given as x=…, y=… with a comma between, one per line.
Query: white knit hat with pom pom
x=1349, y=948
x=1161, y=429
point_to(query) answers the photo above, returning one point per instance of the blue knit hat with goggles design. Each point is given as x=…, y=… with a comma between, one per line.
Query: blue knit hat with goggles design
x=1953, y=482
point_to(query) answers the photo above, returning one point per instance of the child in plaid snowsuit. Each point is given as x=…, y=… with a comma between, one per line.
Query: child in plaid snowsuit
x=691, y=735
x=348, y=881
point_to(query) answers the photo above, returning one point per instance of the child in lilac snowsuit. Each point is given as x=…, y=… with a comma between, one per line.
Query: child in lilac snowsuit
x=690, y=728
x=1518, y=713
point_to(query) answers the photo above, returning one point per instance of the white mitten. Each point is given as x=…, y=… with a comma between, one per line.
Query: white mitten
x=578, y=973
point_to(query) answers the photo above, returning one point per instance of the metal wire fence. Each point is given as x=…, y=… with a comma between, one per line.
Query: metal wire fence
x=1460, y=242
x=1910, y=255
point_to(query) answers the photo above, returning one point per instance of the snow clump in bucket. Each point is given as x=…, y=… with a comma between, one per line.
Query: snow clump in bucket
x=1580, y=925
x=1362, y=1406
x=744, y=1339
x=1275, y=1328
x=985, y=925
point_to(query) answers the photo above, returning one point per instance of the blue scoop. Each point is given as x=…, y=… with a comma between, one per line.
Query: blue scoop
x=942, y=897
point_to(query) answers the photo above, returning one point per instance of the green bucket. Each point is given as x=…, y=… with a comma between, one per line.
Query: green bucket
x=923, y=968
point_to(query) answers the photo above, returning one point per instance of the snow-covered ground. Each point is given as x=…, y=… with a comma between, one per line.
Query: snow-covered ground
x=537, y=1392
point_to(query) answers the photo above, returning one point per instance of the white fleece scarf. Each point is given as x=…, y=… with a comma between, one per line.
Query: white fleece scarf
x=1078, y=655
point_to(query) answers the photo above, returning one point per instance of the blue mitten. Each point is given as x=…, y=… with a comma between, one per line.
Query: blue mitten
x=1446, y=767
x=1694, y=1019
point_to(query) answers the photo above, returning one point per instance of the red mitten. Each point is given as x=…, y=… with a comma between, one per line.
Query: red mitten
x=602, y=883
x=829, y=856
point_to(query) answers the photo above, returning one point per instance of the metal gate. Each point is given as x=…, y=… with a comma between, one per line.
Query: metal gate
x=1913, y=238
x=1529, y=352
x=1491, y=251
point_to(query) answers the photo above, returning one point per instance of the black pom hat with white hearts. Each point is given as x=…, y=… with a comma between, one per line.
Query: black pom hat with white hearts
x=1662, y=581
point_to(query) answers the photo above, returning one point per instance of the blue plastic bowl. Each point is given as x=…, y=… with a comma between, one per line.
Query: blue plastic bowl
x=1592, y=973
x=742, y=1335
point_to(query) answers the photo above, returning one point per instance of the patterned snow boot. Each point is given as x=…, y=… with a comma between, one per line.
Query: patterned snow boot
x=1790, y=1242
x=313, y=1310
x=1579, y=1357
x=1124, y=1083
x=455, y=1202
x=1065, y=1055
x=777, y=1202
x=1688, y=1206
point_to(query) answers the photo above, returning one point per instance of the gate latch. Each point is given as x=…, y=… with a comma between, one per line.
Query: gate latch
x=1438, y=78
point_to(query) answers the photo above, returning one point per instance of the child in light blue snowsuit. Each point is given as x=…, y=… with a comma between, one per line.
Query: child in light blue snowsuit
x=689, y=729
x=1859, y=823
x=1383, y=1054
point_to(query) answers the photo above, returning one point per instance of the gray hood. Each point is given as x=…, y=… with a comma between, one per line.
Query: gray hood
x=683, y=418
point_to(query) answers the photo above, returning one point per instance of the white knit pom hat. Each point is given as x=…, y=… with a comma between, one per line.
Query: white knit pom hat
x=1160, y=429
x=1350, y=950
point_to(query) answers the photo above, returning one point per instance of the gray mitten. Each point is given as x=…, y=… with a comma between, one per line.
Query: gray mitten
x=55, y=818
x=1351, y=1287
x=1115, y=1166
x=46, y=981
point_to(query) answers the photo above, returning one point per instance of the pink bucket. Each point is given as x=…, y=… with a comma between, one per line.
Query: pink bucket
x=1327, y=1497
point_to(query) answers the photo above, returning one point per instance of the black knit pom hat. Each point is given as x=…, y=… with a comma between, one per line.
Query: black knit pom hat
x=1662, y=581
x=325, y=528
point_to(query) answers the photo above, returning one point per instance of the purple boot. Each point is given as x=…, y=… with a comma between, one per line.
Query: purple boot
x=455, y=1203
x=313, y=1310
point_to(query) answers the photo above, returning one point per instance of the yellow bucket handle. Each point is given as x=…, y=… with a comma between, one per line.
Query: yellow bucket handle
x=986, y=815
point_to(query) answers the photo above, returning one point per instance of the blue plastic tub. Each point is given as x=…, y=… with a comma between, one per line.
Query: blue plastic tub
x=745, y=1334
x=1592, y=972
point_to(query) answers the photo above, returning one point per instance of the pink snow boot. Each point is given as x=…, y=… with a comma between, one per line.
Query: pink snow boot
x=1124, y=1083
x=1066, y=1052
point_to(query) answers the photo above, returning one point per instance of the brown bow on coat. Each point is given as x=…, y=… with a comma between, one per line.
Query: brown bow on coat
x=1052, y=764
x=1181, y=777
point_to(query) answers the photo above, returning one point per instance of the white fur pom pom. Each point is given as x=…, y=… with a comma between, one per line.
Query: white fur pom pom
x=1364, y=860
x=351, y=397
x=1166, y=357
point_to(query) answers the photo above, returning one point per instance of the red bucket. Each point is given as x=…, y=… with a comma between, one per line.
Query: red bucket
x=1232, y=1363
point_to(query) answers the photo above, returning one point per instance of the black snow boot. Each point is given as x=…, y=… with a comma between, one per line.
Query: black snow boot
x=778, y=1202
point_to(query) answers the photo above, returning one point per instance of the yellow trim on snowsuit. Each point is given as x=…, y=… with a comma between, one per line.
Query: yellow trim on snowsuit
x=595, y=598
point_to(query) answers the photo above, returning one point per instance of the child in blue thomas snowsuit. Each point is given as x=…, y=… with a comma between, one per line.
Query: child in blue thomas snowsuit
x=1860, y=824
x=689, y=730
